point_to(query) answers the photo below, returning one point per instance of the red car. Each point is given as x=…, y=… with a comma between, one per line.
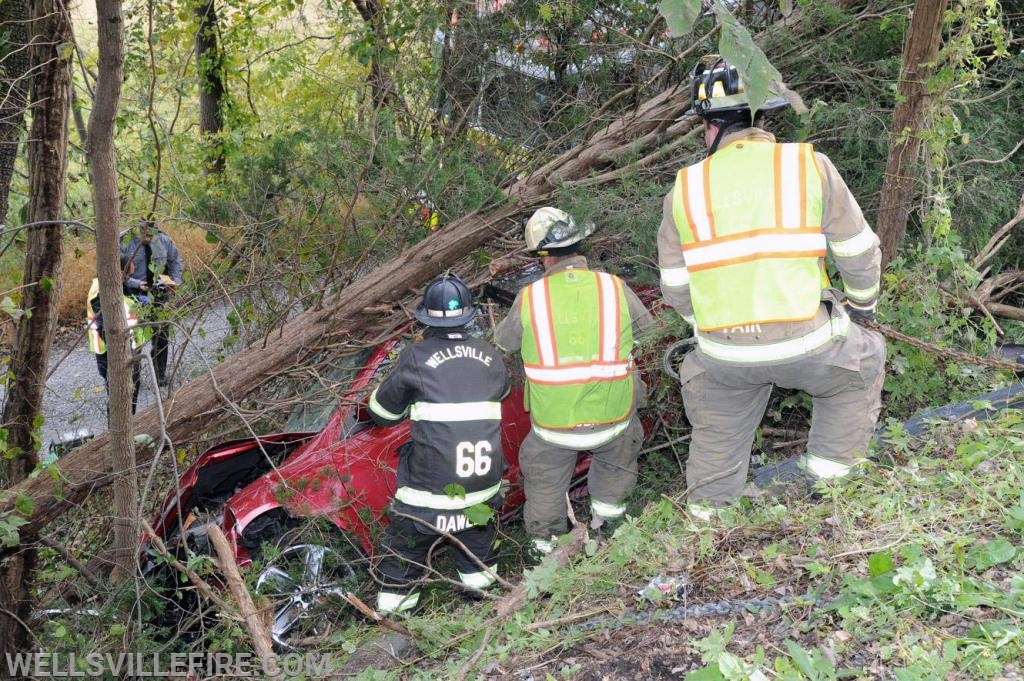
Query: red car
x=264, y=489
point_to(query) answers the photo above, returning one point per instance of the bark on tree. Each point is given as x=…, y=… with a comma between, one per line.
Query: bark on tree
x=210, y=65
x=49, y=29
x=382, y=84
x=920, y=49
x=459, y=79
x=103, y=161
x=87, y=469
x=13, y=91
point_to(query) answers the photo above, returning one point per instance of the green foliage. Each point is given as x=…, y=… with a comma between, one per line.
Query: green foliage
x=680, y=14
x=737, y=46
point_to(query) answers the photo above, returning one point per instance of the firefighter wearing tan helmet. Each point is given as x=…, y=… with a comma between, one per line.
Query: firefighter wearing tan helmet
x=575, y=330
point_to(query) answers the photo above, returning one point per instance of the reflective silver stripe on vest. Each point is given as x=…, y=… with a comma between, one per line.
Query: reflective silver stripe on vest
x=376, y=408
x=849, y=248
x=417, y=497
x=675, y=276
x=836, y=327
x=751, y=246
x=578, y=374
x=455, y=411
x=585, y=440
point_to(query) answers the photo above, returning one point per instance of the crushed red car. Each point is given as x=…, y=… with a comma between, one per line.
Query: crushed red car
x=263, y=491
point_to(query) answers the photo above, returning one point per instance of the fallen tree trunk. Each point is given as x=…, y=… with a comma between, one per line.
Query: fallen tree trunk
x=86, y=469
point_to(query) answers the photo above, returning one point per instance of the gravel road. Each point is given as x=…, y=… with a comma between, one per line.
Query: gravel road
x=75, y=399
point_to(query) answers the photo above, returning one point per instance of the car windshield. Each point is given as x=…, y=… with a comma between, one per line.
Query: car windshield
x=320, y=400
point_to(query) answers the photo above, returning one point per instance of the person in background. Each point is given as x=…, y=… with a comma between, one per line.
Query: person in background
x=450, y=385
x=741, y=249
x=575, y=330
x=94, y=322
x=158, y=272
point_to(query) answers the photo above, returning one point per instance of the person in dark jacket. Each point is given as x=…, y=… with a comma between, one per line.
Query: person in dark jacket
x=450, y=385
x=158, y=272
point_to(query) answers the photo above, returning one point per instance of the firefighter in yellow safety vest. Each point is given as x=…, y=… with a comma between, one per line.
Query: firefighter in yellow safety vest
x=741, y=250
x=95, y=334
x=575, y=330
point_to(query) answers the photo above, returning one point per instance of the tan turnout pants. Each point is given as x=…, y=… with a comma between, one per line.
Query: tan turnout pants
x=725, y=405
x=547, y=473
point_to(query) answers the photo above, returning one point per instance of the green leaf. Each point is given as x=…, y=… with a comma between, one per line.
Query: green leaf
x=45, y=284
x=984, y=556
x=478, y=514
x=680, y=15
x=10, y=308
x=24, y=505
x=880, y=563
x=731, y=666
x=545, y=12
x=212, y=238
x=801, y=658
x=455, y=490
x=1015, y=516
x=786, y=7
x=710, y=673
x=65, y=50
x=737, y=47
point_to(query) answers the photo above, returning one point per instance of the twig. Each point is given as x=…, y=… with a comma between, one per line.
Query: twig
x=253, y=622
x=999, y=239
x=568, y=619
x=468, y=667
x=198, y=582
x=74, y=562
x=997, y=161
x=362, y=607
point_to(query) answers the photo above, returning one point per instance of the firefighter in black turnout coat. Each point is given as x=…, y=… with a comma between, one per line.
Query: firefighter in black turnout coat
x=450, y=385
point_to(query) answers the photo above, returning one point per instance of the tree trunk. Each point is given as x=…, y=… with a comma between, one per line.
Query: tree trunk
x=13, y=92
x=50, y=93
x=382, y=85
x=210, y=65
x=102, y=158
x=86, y=469
x=920, y=49
x=459, y=79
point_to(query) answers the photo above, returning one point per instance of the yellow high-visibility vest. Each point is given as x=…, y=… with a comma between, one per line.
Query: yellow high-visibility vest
x=577, y=340
x=749, y=222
